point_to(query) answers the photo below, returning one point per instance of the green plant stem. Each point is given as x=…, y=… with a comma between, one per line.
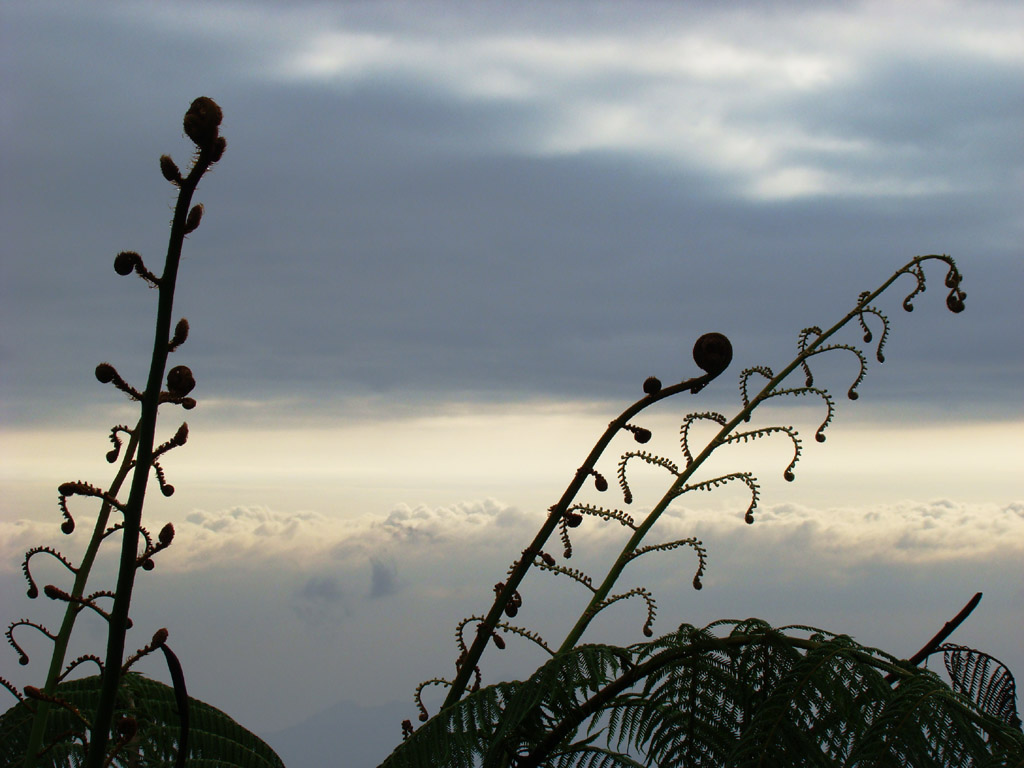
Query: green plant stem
x=485, y=628
x=73, y=608
x=118, y=623
x=602, y=592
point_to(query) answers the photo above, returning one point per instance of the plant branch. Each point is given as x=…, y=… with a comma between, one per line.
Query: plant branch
x=201, y=122
x=806, y=351
x=486, y=627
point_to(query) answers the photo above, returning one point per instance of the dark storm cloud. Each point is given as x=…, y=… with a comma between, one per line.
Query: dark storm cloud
x=384, y=231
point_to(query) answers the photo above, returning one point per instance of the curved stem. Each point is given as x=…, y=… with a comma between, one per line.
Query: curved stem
x=601, y=593
x=486, y=627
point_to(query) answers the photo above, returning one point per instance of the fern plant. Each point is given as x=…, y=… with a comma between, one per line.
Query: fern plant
x=104, y=723
x=214, y=738
x=535, y=722
x=731, y=694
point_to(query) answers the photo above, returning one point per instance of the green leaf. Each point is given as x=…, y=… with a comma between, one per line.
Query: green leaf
x=214, y=738
x=733, y=693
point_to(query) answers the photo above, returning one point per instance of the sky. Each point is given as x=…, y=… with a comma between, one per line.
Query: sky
x=445, y=246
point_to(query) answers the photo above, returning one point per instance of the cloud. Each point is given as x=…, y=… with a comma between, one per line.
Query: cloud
x=321, y=589
x=383, y=577
x=626, y=182
x=316, y=592
x=321, y=602
x=408, y=536
x=717, y=92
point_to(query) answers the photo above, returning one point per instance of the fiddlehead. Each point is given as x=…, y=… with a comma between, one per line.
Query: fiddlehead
x=33, y=590
x=695, y=544
x=745, y=477
x=684, y=430
x=868, y=336
x=852, y=391
x=627, y=495
x=641, y=592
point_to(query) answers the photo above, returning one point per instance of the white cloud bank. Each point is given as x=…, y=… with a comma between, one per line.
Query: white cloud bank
x=915, y=531
x=319, y=608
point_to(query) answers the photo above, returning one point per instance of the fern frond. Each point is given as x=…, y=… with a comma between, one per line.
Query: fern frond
x=684, y=430
x=691, y=542
x=819, y=434
x=732, y=693
x=746, y=477
x=606, y=514
x=642, y=592
x=214, y=738
x=573, y=573
x=33, y=590
x=754, y=434
x=802, y=340
x=745, y=374
x=650, y=458
x=982, y=679
x=879, y=356
x=851, y=393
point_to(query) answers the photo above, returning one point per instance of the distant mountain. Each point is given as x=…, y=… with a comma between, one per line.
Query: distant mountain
x=343, y=736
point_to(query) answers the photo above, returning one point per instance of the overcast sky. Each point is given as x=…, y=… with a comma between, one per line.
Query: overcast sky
x=447, y=243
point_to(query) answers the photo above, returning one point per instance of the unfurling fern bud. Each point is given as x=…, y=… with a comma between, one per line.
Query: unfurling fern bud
x=640, y=434
x=573, y=519
x=54, y=592
x=166, y=536
x=652, y=385
x=194, y=217
x=513, y=605
x=201, y=122
x=105, y=373
x=599, y=480
x=180, y=334
x=125, y=261
x=955, y=301
x=712, y=353
x=180, y=380
x=169, y=169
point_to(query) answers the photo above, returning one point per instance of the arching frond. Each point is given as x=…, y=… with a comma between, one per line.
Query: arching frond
x=733, y=693
x=214, y=738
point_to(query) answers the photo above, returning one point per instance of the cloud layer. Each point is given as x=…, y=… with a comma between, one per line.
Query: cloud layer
x=497, y=205
x=309, y=582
